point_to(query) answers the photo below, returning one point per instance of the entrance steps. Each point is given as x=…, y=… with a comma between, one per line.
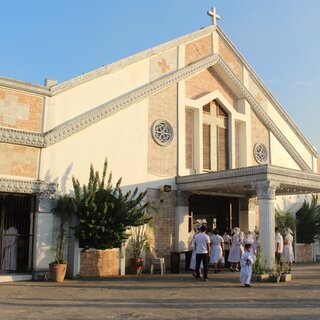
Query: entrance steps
x=15, y=277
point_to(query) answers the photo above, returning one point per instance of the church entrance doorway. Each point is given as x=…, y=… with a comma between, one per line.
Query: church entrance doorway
x=216, y=212
x=16, y=232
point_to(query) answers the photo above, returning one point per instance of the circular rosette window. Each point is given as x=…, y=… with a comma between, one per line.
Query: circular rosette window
x=260, y=153
x=162, y=132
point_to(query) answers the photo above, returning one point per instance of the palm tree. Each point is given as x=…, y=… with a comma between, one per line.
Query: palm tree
x=308, y=218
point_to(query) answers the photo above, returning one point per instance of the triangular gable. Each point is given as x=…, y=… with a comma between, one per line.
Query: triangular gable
x=243, y=81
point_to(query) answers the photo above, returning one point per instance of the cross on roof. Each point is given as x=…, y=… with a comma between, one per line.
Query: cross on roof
x=214, y=15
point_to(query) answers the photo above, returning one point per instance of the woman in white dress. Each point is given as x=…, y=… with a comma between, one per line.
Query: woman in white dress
x=235, y=250
x=217, y=250
x=288, y=255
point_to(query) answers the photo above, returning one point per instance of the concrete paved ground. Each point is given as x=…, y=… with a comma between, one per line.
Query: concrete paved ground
x=173, y=296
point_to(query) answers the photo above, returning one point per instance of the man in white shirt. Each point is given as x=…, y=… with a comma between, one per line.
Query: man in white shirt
x=202, y=244
x=279, y=245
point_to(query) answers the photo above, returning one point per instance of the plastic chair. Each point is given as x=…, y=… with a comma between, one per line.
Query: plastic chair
x=155, y=260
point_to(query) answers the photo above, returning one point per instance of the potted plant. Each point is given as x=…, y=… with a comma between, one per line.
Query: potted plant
x=105, y=215
x=285, y=275
x=62, y=210
x=275, y=273
x=259, y=270
x=136, y=244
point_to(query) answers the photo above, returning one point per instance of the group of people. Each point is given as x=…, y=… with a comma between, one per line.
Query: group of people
x=236, y=250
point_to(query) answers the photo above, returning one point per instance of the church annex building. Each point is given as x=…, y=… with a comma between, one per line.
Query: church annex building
x=190, y=114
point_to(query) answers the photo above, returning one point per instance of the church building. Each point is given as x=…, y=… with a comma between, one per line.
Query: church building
x=188, y=120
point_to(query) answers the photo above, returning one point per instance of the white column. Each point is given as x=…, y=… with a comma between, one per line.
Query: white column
x=181, y=221
x=266, y=191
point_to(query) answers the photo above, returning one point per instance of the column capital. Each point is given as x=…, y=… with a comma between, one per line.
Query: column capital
x=182, y=198
x=266, y=189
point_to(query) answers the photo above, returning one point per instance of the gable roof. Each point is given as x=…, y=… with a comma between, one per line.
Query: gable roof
x=110, y=107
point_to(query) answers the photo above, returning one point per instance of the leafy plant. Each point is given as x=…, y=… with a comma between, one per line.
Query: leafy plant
x=275, y=270
x=258, y=268
x=64, y=208
x=138, y=241
x=285, y=220
x=308, y=221
x=105, y=213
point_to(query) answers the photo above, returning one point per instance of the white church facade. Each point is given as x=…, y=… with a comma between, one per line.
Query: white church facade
x=191, y=114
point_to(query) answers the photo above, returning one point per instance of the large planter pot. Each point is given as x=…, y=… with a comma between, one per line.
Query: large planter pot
x=260, y=277
x=99, y=263
x=275, y=279
x=58, y=271
x=136, y=265
x=285, y=277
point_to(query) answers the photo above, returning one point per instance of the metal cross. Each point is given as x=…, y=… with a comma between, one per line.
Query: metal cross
x=213, y=14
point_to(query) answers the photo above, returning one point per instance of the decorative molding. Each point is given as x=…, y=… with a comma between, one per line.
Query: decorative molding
x=32, y=139
x=263, y=116
x=27, y=186
x=25, y=86
x=266, y=189
x=240, y=181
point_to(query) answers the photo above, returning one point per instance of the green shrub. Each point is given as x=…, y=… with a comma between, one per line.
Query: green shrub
x=105, y=213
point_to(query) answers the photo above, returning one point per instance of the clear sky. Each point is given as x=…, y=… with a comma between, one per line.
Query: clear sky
x=62, y=39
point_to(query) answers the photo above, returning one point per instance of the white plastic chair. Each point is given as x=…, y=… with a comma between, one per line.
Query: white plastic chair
x=155, y=260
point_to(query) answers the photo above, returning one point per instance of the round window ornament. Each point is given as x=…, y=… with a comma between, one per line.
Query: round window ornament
x=260, y=153
x=162, y=132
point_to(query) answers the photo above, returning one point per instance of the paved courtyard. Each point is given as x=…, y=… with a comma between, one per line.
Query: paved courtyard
x=173, y=296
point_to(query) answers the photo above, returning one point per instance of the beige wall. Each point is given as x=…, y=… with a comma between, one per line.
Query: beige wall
x=18, y=160
x=259, y=134
x=20, y=110
x=198, y=49
x=163, y=160
x=206, y=82
x=230, y=59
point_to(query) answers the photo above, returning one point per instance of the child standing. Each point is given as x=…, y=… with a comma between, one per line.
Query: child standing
x=247, y=260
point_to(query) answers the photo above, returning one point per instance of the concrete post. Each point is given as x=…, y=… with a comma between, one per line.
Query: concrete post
x=181, y=221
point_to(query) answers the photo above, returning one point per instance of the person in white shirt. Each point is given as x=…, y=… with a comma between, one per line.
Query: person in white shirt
x=202, y=244
x=227, y=243
x=288, y=255
x=217, y=250
x=278, y=244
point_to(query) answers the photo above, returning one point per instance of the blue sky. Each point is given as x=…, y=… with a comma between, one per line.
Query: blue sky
x=63, y=39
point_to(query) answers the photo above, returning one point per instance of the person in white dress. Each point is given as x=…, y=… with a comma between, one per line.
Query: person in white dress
x=247, y=260
x=227, y=243
x=9, y=249
x=235, y=250
x=217, y=250
x=288, y=255
x=278, y=245
x=256, y=243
